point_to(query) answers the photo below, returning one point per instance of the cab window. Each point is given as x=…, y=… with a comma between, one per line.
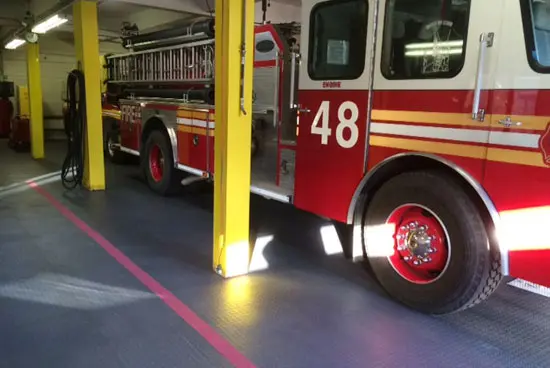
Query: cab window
x=536, y=26
x=424, y=38
x=338, y=37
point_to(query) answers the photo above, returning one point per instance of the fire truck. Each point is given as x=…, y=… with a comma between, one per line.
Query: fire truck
x=423, y=125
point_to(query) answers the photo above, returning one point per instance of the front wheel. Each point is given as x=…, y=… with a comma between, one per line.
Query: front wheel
x=158, y=165
x=428, y=245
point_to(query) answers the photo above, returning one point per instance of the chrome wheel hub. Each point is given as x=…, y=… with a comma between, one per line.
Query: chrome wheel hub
x=415, y=243
x=422, y=247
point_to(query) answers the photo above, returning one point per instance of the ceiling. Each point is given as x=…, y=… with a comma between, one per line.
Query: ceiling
x=111, y=14
x=147, y=14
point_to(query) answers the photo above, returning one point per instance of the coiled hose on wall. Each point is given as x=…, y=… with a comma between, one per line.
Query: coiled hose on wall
x=72, y=172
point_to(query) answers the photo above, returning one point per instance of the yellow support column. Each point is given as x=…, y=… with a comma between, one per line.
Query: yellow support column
x=87, y=53
x=36, y=103
x=234, y=34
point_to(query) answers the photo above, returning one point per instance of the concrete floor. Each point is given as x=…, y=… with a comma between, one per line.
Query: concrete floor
x=123, y=278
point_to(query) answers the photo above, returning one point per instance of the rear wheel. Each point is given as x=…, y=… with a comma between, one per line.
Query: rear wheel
x=428, y=245
x=113, y=153
x=158, y=165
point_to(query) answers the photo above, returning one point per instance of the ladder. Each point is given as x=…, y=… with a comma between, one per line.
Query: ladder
x=186, y=63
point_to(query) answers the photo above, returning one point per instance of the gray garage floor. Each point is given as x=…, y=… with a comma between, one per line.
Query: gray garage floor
x=123, y=278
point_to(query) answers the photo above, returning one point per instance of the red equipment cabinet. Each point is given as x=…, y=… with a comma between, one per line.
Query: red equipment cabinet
x=6, y=108
x=6, y=112
x=20, y=134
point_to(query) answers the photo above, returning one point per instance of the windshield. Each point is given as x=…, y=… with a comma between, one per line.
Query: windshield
x=536, y=19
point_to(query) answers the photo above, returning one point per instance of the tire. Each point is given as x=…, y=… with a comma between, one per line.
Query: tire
x=256, y=142
x=445, y=229
x=166, y=180
x=114, y=155
x=255, y=147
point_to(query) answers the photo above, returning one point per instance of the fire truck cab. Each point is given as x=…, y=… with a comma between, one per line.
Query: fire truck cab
x=422, y=124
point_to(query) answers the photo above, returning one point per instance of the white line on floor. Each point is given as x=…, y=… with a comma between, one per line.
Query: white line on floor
x=529, y=286
x=24, y=183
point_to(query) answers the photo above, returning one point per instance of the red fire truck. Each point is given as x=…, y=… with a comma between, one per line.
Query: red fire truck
x=422, y=124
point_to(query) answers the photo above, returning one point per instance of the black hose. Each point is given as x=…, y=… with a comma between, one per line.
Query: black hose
x=190, y=30
x=72, y=172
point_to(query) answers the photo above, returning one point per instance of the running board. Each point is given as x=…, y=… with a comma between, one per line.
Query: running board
x=270, y=194
x=531, y=287
x=130, y=151
x=192, y=170
x=203, y=175
x=192, y=179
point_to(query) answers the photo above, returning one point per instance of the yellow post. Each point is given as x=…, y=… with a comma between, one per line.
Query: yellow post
x=35, y=98
x=87, y=54
x=234, y=29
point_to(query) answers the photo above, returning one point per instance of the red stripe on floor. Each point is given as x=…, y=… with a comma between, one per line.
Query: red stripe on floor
x=204, y=329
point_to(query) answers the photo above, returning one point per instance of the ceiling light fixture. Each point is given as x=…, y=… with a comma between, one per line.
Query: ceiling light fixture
x=15, y=43
x=49, y=24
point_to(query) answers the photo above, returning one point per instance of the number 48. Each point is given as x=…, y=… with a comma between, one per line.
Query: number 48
x=344, y=123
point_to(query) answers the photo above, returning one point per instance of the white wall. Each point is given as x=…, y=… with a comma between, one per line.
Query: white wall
x=57, y=59
x=278, y=13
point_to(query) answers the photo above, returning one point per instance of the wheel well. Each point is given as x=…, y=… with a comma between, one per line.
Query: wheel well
x=415, y=162
x=150, y=126
x=154, y=124
x=110, y=124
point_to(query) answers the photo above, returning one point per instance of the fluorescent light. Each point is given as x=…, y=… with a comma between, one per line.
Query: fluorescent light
x=48, y=24
x=15, y=43
x=431, y=45
x=431, y=52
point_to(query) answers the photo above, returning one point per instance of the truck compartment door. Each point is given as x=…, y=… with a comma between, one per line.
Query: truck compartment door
x=194, y=140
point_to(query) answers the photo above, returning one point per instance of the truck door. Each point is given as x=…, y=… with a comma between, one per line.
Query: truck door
x=517, y=175
x=435, y=69
x=335, y=74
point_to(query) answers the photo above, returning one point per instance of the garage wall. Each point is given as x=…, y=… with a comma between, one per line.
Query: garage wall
x=54, y=69
x=57, y=58
x=278, y=13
